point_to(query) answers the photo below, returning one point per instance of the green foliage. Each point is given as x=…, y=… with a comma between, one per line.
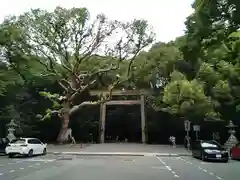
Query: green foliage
x=235, y=35
x=49, y=95
x=8, y=77
x=198, y=74
x=207, y=74
x=65, y=47
x=226, y=69
x=211, y=48
x=177, y=76
x=222, y=91
x=187, y=99
x=158, y=61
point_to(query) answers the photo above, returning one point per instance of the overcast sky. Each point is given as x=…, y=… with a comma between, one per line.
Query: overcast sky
x=166, y=16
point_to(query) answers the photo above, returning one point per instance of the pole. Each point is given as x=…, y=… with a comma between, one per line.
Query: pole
x=196, y=135
x=187, y=129
x=188, y=141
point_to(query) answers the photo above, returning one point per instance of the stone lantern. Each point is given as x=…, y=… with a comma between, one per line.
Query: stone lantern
x=11, y=128
x=232, y=140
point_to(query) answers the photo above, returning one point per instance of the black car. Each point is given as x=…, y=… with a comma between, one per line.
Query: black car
x=209, y=150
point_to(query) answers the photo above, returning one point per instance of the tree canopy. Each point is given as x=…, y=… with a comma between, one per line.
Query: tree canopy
x=54, y=58
x=72, y=50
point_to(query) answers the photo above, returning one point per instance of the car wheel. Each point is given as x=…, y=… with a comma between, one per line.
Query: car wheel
x=225, y=161
x=10, y=155
x=30, y=153
x=44, y=151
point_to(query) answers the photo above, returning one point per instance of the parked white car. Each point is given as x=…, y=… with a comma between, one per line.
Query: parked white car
x=26, y=146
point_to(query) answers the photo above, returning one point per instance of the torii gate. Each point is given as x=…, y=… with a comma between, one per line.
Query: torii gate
x=140, y=101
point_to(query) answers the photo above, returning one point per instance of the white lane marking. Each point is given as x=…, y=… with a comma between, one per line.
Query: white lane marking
x=186, y=161
x=160, y=160
x=21, y=168
x=30, y=166
x=168, y=167
x=12, y=171
x=37, y=164
x=1, y=165
x=1, y=174
x=204, y=170
x=10, y=163
x=182, y=159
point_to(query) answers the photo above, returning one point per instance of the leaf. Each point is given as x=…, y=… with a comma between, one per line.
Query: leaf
x=183, y=97
x=175, y=76
x=235, y=35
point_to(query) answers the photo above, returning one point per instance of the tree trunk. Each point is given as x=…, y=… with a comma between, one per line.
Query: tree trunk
x=63, y=133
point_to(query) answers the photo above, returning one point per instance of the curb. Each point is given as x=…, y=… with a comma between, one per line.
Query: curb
x=118, y=154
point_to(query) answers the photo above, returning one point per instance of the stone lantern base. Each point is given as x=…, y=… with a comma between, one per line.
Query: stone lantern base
x=231, y=142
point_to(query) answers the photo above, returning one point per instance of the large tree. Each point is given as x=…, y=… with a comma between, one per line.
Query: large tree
x=210, y=48
x=67, y=43
x=187, y=99
x=210, y=62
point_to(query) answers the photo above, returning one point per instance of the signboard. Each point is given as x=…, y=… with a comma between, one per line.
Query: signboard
x=187, y=125
x=196, y=128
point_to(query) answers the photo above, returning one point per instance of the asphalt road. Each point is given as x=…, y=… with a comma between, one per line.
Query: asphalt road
x=59, y=167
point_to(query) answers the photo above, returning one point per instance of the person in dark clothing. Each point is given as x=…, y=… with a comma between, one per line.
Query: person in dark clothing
x=3, y=144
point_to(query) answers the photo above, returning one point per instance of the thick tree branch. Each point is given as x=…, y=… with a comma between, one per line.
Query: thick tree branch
x=67, y=68
x=68, y=85
x=111, y=68
x=97, y=41
x=102, y=99
x=63, y=86
x=82, y=89
x=85, y=87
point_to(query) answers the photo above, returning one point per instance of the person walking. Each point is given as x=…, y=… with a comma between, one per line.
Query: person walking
x=172, y=140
